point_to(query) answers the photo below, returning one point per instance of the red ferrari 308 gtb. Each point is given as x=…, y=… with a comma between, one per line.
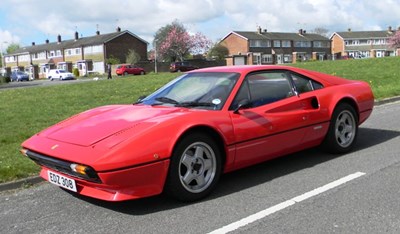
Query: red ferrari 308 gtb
x=181, y=138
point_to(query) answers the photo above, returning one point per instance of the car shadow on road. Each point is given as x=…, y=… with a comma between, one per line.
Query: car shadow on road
x=249, y=177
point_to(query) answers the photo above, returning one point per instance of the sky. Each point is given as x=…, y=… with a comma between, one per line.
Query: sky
x=27, y=21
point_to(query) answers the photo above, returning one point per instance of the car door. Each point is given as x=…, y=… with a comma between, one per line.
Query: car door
x=274, y=118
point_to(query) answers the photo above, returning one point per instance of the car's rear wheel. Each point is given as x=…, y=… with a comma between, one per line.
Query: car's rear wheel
x=343, y=130
x=195, y=168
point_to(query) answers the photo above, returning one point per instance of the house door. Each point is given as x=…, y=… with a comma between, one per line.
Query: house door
x=279, y=58
x=82, y=69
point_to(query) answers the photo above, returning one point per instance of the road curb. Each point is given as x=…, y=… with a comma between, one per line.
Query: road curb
x=387, y=100
x=37, y=179
x=21, y=183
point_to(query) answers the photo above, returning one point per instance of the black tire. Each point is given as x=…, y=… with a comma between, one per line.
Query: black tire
x=195, y=168
x=343, y=130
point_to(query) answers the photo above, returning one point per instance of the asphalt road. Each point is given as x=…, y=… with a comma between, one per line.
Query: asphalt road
x=273, y=197
x=37, y=83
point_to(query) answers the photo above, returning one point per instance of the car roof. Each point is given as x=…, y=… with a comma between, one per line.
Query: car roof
x=242, y=68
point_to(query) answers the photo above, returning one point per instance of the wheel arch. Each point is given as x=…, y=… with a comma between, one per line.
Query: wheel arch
x=214, y=134
x=350, y=101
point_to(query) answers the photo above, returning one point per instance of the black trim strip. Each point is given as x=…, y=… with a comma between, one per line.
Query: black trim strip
x=133, y=166
x=61, y=166
x=270, y=135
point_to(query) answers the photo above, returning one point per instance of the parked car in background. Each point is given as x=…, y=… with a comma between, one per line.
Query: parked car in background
x=127, y=69
x=60, y=74
x=19, y=76
x=181, y=67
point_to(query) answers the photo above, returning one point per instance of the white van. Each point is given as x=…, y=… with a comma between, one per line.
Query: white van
x=60, y=74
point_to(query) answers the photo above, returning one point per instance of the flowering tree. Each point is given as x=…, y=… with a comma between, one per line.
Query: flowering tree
x=394, y=41
x=176, y=44
x=173, y=42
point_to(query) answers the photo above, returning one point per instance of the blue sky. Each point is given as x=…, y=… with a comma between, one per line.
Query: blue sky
x=27, y=21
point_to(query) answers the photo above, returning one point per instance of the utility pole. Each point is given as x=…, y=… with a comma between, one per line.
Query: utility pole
x=155, y=57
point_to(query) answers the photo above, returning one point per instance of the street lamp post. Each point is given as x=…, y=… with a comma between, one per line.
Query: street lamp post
x=2, y=54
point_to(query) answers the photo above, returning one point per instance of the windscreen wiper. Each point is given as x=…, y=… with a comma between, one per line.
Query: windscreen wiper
x=194, y=104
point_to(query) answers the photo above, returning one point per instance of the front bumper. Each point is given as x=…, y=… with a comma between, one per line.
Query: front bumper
x=124, y=184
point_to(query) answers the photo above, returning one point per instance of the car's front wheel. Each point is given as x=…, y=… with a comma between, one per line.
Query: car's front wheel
x=195, y=168
x=342, y=131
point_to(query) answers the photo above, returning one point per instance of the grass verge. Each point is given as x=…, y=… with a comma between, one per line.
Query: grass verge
x=26, y=111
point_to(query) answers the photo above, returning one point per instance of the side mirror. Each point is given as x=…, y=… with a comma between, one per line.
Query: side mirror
x=245, y=103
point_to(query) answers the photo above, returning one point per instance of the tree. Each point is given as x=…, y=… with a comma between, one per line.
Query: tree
x=112, y=60
x=200, y=44
x=12, y=48
x=394, y=41
x=176, y=45
x=132, y=57
x=218, y=51
x=173, y=42
x=321, y=31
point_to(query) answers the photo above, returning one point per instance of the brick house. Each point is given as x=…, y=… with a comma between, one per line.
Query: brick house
x=263, y=47
x=362, y=44
x=88, y=54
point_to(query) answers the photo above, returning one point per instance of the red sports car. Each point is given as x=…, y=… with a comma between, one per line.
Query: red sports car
x=181, y=138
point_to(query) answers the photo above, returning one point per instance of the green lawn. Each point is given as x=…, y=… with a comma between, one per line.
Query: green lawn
x=383, y=74
x=23, y=112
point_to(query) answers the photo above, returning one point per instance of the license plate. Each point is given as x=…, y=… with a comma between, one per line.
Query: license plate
x=61, y=181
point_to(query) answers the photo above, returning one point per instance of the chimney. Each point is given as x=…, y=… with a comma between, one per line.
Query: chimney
x=33, y=43
x=301, y=31
x=76, y=36
x=118, y=29
x=265, y=30
x=59, y=38
x=390, y=29
x=97, y=32
x=349, y=30
x=259, y=30
x=47, y=41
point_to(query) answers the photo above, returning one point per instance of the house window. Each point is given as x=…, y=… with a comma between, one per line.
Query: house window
x=69, y=52
x=286, y=44
x=260, y=43
x=51, y=54
x=287, y=58
x=277, y=43
x=93, y=49
x=78, y=51
x=58, y=53
x=321, y=44
x=267, y=58
x=303, y=44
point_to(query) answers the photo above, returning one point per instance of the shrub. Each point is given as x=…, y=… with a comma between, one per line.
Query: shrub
x=76, y=72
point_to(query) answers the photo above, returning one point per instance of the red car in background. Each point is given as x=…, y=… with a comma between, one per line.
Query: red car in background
x=181, y=138
x=127, y=69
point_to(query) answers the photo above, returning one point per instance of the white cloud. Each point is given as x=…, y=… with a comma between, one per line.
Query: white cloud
x=214, y=18
x=6, y=38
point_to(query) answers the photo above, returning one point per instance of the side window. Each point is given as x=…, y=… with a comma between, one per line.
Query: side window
x=304, y=84
x=263, y=88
